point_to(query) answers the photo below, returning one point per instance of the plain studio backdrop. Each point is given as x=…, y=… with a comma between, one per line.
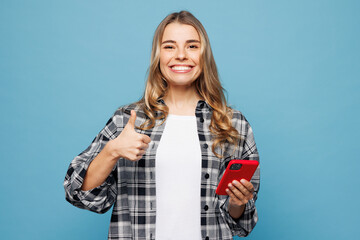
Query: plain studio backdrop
x=292, y=68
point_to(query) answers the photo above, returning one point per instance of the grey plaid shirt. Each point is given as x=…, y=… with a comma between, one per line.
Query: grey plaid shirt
x=131, y=185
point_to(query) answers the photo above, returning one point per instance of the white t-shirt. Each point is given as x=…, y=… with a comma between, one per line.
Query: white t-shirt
x=178, y=178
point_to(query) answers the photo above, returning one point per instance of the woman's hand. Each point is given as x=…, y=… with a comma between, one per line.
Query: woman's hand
x=240, y=193
x=129, y=144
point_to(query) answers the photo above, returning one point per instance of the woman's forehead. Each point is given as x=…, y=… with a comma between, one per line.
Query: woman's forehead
x=179, y=32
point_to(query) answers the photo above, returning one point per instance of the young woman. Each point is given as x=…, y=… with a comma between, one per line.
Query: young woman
x=160, y=160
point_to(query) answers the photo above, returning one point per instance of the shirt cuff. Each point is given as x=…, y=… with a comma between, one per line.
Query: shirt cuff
x=98, y=198
x=247, y=221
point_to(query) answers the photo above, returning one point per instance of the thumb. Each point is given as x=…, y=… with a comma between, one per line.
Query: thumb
x=131, y=122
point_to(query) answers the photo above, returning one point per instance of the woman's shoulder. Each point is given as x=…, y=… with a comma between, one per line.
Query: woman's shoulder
x=240, y=122
x=126, y=108
x=237, y=115
x=123, y=112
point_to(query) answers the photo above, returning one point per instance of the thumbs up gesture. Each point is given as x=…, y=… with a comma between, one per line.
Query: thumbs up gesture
x=129, y=144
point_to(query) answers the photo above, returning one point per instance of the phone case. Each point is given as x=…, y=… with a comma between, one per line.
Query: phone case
x=246, y=171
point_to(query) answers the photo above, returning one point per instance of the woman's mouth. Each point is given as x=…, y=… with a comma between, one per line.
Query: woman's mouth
x=181, y=68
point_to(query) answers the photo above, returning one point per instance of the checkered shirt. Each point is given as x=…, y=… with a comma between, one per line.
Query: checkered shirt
x=131, y=186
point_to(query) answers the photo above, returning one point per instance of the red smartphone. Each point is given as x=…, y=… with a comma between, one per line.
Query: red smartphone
x=236, y=170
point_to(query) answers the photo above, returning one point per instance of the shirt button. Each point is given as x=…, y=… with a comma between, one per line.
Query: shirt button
x=206, y=207
x=205, y=146
x=207, y=175
x=201, y=120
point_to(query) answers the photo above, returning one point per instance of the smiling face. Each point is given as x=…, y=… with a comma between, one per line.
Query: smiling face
x=180, y=54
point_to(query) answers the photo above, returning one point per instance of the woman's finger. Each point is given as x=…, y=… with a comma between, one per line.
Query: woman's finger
x=145, y=138
x=245, y=192
x=236, y=191
x=234, y=198
x=242, y=188
x=248, y=185
x=231, y=194
x=144, y=146
x=140, y=153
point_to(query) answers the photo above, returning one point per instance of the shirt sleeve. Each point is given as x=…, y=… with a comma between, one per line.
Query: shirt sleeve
x=245, y=224
x=101, y=198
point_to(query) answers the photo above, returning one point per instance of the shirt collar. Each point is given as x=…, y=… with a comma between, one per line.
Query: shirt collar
x=200, y=104
x=203, y=104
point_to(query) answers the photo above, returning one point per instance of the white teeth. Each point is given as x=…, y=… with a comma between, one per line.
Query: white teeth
x=180, y=68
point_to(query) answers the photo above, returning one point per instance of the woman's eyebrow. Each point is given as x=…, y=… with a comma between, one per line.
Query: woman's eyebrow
x=187, y=41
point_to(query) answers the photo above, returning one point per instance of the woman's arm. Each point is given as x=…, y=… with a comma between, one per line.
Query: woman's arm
x=239, y=193
x=99, y=169
x=239, y=210
x=129, y=144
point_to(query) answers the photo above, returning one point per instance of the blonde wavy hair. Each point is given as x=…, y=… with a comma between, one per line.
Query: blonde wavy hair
x=207, y=85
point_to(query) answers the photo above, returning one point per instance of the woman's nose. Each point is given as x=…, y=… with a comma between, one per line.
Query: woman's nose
x=181, y=54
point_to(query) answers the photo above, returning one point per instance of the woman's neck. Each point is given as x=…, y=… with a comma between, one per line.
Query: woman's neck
x=182, y=101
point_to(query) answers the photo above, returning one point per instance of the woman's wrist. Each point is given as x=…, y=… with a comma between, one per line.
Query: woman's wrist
x=236, y=211
x=111, y=152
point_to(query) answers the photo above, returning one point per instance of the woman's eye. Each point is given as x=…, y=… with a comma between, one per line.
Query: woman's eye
x=193, y=46
x=168, y=47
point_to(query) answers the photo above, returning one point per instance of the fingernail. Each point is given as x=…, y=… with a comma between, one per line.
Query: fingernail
x=243, y=181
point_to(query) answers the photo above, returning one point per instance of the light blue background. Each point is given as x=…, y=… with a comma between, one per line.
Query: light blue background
x=292, y=67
